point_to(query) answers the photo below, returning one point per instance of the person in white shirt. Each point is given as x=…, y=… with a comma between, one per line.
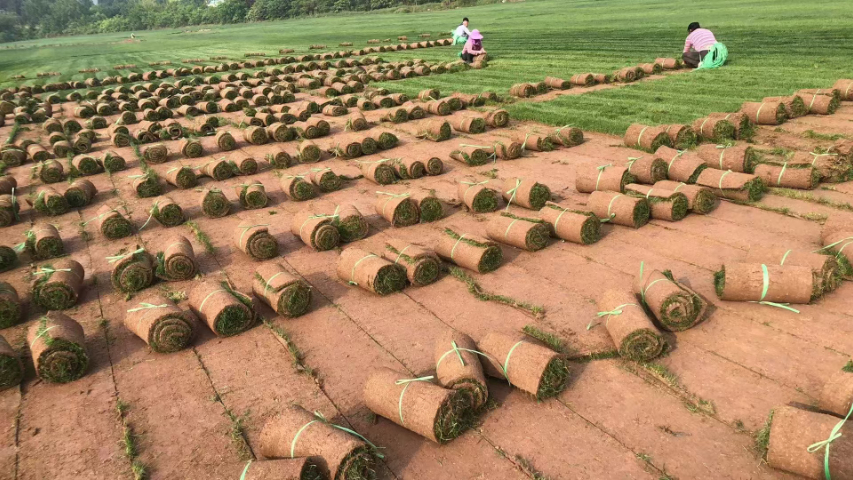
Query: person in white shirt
x=460, y=35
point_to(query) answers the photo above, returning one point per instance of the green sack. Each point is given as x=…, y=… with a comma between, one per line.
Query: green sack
x=716, y=57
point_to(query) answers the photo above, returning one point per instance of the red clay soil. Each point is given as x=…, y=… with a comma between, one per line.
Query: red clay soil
x=616, y=419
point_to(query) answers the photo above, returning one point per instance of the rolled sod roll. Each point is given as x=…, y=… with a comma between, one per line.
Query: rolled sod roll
x=682, y=166
x=665, y=204
x=837, y=393
x=7, y=184
x=48, y=202
x=285, y=469
x=794, y=105
x=651, y=68
x=177, y=261
x=351, y=224
x=832, y=92
x=146, y=185
x=398, y=209
x=536, y=143
x=602, y=178
x=280, y=132
x=120, y=139
x=316, y=231
x=297, y=188
x=191, y=148
x=181, y=177
x=14, y=157
x=469, y=124
x=525, y=193
x=368, y=146
x=568, y=136
x=348, y=150
x=85, y=164
x=308, y=152
x=506, y=151
x=434, y=166
x=497, y=118
x=10, y=306
x=646, y=169
x=283, y=292
x=37, y=152
x=418, y=405
x=824, y=268
x=57, y=343
x=214, y=203
x=80, y=193
x=759, y=282
x=157, y=153
x=699, y=199
x=113, y=162
x=744, y=128
x=435, y=130
x=646, y=138
x=385, y=140
x=255, y=135
x=835, y=244
x=8, y=258
x=370, y=272
x=225, y=141
x=669, y=63
x=845, y=89
x=255, y=241
x=422, y=265
x=739, y=158
x=832, y=166
x=469, y=251
x=132, y=271
x=43, y=241
x=458, y=367
x=714, y=129
x=572, y=225
x=167, y=212
x=356, y=122
x=226, y=311
x=408, y=168
x=732, y=185
x=161, y=324
x=530, y=367
x=297, y=433
x=280, y=159
x=676, y=306
x=790, y=176
x=251, y=195
x=216, y=169
x=620, y=209
x=817, y=104
x=558, y=83
x=50, y=171
x=523, y=90
x=583, y=79
x=430, y=207
x=635, y=336
x=529, y=234
x=471, y=155
x=11, y=367
x=794, y=432
x=325, y=179
x=765, y=113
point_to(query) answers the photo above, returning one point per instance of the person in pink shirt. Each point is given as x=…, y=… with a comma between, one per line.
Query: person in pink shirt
x=473, y=47
x=698, y=44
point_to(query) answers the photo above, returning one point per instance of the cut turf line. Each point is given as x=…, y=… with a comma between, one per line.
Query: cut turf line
x=654, y=372
x=762, y=438
x=810, y=216
x=526, y=467
x=811, y=134
x=474, y=288
x=129, y=440
x=295, y=353
x=809, y=197
x=201, y=236
x=554, y=342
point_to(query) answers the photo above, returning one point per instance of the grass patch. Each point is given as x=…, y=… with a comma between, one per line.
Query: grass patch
x=762, y=437
x=295, y=353
x=202, y=237
x=591, y=357
x=810, y=216
x=848, y=367
x=811, y=134
x=554, y=342
x=237, y=434
x=526, y=467
x=129, y=440
x=809, y=197
x=474, y=288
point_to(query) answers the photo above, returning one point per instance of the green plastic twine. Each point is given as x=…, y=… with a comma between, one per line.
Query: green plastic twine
x=779, y=180
x=352, y=273
x=784, y=257
x=505, y=365
x=41, y=334
x=640, y=138
x=643, y=293
x=680, y=153
x=631, y=161
x=601, y=169
x=322, y=419
x=816, y=155
x=391, y=197
x=831, y=245
x=514, y=192
x=246, y=229
x=615, y=311
x=151, y=212
x=400, y=254
x=722, y=177
x=611, y=216
x=147, y=306
x=453, y=250
x=117, y=258
x=50, y=271
x=407, y=382
x=766, y=280
x=834, y=435
x=722, y=154
x=245, y=470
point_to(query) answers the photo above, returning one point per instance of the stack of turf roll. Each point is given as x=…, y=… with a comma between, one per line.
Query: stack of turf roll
x=181, y=177
x=214, y=203
x=43, y=241
x=682, y=166
x=804, y=177
x=825, y=270
x=525, y=193
x=254, y=240
x=146, y=185
x=675, y=306
x=58, y=286
x=732, y=185
x=799, y=443
x=602, y=178
x=419, y=405
x=422, y=265
x=161, y=324
x=225, y=141
x=469, y=251
x=434, y=130
x=765, y=113
x=646, y=138
x=526, y=233
x=819, y=104
x=166, y=212
x=283, y=292
x=647, y=169
x=836, y=239
x=297, y=188
x=738, y=158
x=226, y=311
x=833, y=165
x=744, y=128
x=528, y=366
x=10, y=306
x=297, y=433
x=714, y=129
x=430, y=207
x=398, y=209
x=132, y=271
x=80, y=193
x=177, y=261
x=458, y=367
x=620, y=209
x=47, y=201
x=318, y=231
x=635, y=336
x=767, y=284
x=794, y=105
x=57, y=343
x=350, y=223
x=251, y=195
x=11, y=367
x=700, y=200
x=571, y=225
x=665, y=204
x=217, y=169
x=370, y=272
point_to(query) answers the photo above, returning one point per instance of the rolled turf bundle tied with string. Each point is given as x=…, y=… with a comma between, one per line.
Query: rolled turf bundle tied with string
x=7, y=184
x=339, y=452
x=818, y=104
x=181, y=177
x=469, y=251
x=675, y=306
x=765, y=113
x=297, y=188
x=217, y=169
x=498, y=118
x=606, y=177
x=834, y=166
x=635, y=336
x=408, y=168
x=419, y=405
x=281, y=132
x=10, y=306
x=568, y=136
x=646, y=138
x=191, y=148
x=9, y=207
x=799, y=176
x=840, y=245
x=825, y=270
x=535, y=142
x=471, y=155
x=583, y=79
x=738, y=158
x=315, y=230
x=385, y=140
x=526, y=193
x=166, y=212
x=146, y=185
x=156, y=154
x=398, y=209
x=43, y=241
x=800, y=441
x=252, y=195
x=58, y=286
x=430, y=206
x=469, y=124
x=458, y=367
x=325, y=179
x=435, y=130
x=620, y=209
x=572, y=225
x=371, y=272
x=767, y=284
x=528, y=366
x=665, y=204
x=85, y=165
x=350, y=222
x=744, y=127
x=113, y=162
x=647, y=168
x=225, y=141
x=80, y=193
x=714, y=129
x=255, y=240
x=177, y=261
x=700, y=200
x=132, y=271
x=48, y=202
x=161, y=324
x=526, y=233
x=422, y=265
x=255, y=135
x=682, y=166
x=283, y=292
x=669, y=63
x=58, y=347
x=226, y=311
x=287, y=469
x=214, y=203
x=308, y=152
x=844, y=88
x=8, y=257
x=681, y=136
x=732, y=185
x=11, y=367
x=794, y=105
x=837, y=393
x=49, y=171
x=112, y=224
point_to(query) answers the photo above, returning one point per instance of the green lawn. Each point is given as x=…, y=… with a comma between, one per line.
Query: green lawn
x=776, y=46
